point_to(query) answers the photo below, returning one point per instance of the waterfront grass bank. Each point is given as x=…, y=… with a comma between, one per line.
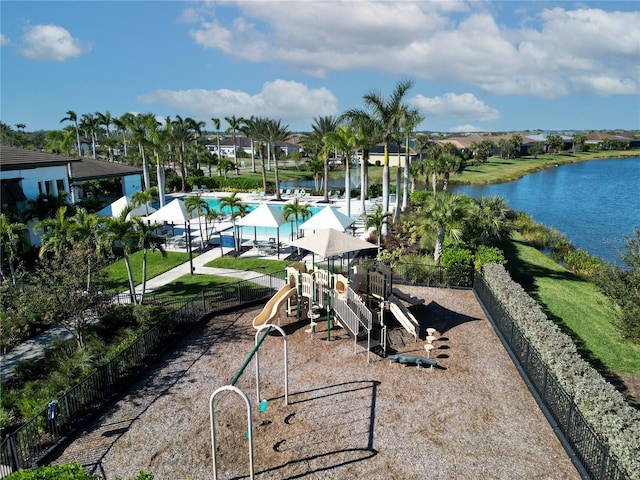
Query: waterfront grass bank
x=576, y=305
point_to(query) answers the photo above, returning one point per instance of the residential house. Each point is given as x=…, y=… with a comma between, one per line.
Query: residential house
x=26, y=174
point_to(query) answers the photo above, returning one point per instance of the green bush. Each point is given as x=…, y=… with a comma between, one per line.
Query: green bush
x=485, y=254
x=602, y=406
x=456, y=261
x=71, y=471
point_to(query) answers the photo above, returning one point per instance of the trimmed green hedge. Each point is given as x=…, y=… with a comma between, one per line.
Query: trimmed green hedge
x=231, y=183
x=604, y=407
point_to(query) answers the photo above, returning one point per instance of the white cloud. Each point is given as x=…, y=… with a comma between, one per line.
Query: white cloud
x=291, y=102
x=51, y=42
x=547, y=53
x=4, y=40
x=463, y=107
x=465, y=129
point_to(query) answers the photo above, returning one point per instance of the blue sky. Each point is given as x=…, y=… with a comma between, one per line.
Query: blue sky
x=477, y=66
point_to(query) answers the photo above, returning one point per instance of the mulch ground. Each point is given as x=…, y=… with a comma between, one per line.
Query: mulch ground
x=471, y=417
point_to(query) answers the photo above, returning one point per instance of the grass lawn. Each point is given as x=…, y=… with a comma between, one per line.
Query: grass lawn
x=156, y=264
x=500, y=170
x=259, y=265
x=494, y=171
x=188, y=286
x=576, y=305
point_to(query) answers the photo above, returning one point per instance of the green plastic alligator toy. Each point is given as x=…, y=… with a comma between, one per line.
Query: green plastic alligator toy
x=412, y=359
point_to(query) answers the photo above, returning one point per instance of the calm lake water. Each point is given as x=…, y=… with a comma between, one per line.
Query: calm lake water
x=593, y=203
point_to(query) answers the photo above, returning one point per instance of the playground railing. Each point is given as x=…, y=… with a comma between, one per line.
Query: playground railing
x=36, y=438
x=591, y=452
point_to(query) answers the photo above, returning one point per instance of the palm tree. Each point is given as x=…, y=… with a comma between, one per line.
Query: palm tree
x=143, y=237
x=10, y=234
x=72, y=117
x=216, y=125
x=105, y=119
x=314, y=142
x=56, y=236
x=144, y=198
x=120, y=230
x=490, y=219
x=246, y=129
x=409, y=120
x=60, y=141
x=276, y=134
x=89, y=125
x=182, y=134
x=378, y=220
x=444, y=212
x=342, y=139
x=386, y=111
x=449, y=163
x=87, y=229
x=316, y=167
x=296, y=211
x=237, y=209
x=258, y=129
x=234, y=125
x=196, y=204
x=432, y=166
x=367, y=136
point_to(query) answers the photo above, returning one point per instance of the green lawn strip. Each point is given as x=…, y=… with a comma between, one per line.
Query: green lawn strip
x=576, y=305
x=259, y=265
x=501, y=170
x=189, y=286
x=156, y=265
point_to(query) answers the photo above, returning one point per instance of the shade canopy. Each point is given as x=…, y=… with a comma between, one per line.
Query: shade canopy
x=328, y=218
x=264, y=216
x=172, y=212
x=117, y=207
x=329, y=242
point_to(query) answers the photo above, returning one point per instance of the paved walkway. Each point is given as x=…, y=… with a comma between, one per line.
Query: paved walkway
x=34, y=349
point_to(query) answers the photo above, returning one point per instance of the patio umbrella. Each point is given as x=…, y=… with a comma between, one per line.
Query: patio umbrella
x=265, y=215
x=328, y=217
x=116, y=208
x=175, y=212
x=330, y=242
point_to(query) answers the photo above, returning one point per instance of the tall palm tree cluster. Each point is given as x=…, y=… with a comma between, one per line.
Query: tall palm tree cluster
x=383, y=120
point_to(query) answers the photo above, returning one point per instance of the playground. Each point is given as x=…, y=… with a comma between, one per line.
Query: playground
x=346, y=416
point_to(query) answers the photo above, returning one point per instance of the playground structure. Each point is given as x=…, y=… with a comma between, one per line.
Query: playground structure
x=357, y=303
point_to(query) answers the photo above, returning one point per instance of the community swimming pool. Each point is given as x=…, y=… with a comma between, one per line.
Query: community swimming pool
x=286, y=230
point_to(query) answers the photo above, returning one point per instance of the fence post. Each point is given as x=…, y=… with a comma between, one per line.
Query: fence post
x=13, y=453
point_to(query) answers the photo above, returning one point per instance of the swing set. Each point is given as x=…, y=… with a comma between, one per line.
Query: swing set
x=262, y=402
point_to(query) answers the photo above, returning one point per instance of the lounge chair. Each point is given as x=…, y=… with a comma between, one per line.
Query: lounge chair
x=203, y=188
x=288, y=192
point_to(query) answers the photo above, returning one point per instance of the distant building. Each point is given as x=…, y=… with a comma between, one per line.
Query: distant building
x=26, y=174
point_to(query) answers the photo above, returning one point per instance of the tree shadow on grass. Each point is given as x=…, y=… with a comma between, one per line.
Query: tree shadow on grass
x=525, y=274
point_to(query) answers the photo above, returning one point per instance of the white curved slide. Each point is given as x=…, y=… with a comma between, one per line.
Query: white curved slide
x=270, y=310
x=404, y=316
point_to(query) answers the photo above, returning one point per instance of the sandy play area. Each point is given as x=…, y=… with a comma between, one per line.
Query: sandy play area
x=470, y=418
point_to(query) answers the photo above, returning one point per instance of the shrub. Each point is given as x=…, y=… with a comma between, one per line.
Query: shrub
x=602, y=406
x=456, y=261
x=485, y=255
x=72, y=471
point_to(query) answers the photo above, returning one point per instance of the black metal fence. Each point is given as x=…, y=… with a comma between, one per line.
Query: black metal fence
x=32, y=441
x=589, y=449
x=415, y=273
